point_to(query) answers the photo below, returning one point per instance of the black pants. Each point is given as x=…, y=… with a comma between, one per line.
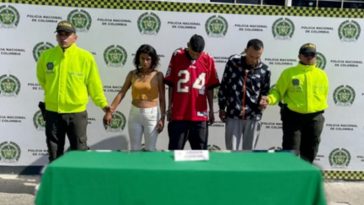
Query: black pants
x=301, y=132
x=181, y=131
x=58, y=125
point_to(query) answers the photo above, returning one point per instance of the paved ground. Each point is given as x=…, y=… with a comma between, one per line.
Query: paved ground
x=344, y=193
x=19, y=190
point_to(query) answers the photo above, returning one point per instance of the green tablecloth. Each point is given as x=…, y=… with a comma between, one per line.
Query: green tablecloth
x=154, y=178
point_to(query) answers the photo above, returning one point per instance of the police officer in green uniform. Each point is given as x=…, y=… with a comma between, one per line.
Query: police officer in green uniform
x=303, y=91
x=69, y=75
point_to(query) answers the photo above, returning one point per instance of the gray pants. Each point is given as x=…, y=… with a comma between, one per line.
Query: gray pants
x=245, y=132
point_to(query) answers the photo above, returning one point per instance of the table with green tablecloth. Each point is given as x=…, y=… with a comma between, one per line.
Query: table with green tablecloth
x=154, y=178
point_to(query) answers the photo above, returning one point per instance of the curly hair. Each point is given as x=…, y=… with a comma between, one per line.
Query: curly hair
x=149, y=50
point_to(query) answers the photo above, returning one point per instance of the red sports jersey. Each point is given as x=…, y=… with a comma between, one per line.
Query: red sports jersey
x=190, y=80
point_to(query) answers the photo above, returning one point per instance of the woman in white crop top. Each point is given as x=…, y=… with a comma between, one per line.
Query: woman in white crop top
x=148, y=91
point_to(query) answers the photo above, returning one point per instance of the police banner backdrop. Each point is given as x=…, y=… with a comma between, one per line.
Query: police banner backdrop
x=113, y=31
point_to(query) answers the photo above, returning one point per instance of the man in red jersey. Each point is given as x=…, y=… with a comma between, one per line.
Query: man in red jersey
x=191, y=78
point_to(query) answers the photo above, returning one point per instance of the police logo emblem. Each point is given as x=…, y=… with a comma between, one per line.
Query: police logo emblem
x=118, y=122
x=216, y=26
x=283, y=28
x=320, y=60
x=38, y=121
x=115, y=56
x=344, y=95
x=9, y=152
x=349, y=30
x=9, y=17
x=9, y=85
x=39, y=48
x=80, y=19
x=339, y=158
x=50, y=66
x=149, y=23
x=295, y=82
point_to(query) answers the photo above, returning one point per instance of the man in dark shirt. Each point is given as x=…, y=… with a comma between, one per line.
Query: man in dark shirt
x=245, y=81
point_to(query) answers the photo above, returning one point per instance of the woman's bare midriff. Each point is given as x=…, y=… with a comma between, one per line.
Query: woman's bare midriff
x=144, y=103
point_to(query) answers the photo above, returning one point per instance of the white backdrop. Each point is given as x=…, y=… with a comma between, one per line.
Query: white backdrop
x=31, y=28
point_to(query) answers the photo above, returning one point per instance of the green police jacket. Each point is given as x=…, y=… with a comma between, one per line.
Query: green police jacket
x=68, y=78
x=304, y=88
